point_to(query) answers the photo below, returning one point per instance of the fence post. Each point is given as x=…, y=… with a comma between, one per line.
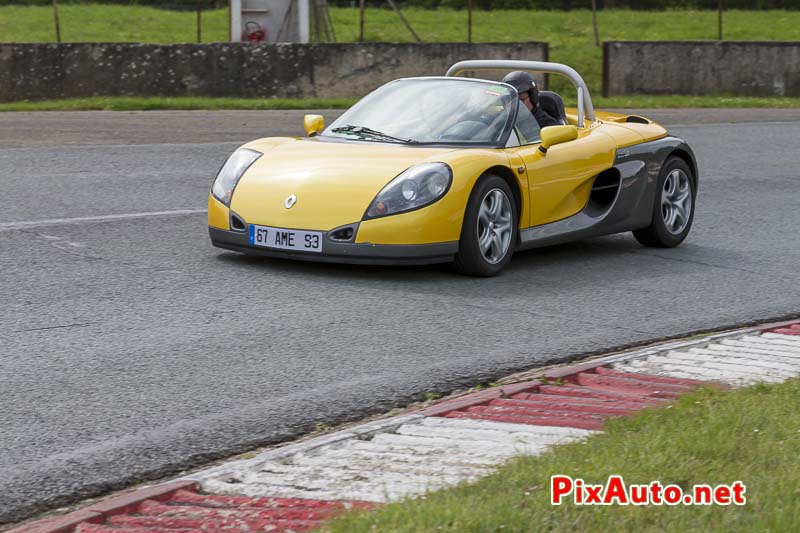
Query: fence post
x=199, y=20
x=403, y=19
x=469, y=21
x=361, y=21
x=55, y=18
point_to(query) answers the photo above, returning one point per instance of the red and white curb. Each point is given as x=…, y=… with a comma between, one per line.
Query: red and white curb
x=297, y=487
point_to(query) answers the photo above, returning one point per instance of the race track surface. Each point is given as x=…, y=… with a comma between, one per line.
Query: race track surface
x=130, y=348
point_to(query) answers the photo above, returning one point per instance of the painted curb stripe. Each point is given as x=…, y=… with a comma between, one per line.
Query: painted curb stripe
x=178, y=507
x=61, y=524
x=96, y=513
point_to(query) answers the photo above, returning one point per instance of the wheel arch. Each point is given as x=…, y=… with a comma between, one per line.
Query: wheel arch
x=509, y=177
x=688, y=158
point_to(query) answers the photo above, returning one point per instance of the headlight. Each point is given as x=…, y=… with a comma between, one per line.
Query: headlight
x=416, y=187
x=231, y=172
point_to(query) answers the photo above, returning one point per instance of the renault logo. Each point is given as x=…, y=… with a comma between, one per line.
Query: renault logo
x=290, y=201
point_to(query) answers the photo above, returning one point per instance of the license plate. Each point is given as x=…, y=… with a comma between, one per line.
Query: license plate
x=286, y=239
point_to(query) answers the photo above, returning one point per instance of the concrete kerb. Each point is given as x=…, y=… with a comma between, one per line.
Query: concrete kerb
x=774, y=325
x=276, y=454
x=488, y=395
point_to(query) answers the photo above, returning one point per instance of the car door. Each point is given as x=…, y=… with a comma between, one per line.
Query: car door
x=560, y=180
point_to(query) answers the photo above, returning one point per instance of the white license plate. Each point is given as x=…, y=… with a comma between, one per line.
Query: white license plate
x=286, y=239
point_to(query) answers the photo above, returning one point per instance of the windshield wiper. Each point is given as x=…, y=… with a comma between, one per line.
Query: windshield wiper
x=369, y=132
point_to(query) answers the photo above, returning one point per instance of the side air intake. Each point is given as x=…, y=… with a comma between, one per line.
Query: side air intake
x=604, y=192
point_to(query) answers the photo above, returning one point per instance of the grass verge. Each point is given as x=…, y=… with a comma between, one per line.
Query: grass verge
x=708, y=436
x=108, y=103
x=125, y=103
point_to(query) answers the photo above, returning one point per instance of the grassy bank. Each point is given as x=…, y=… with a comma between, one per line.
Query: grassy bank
x=568, y=32
x=105, y=103
x=125, y=103
x=709, y=436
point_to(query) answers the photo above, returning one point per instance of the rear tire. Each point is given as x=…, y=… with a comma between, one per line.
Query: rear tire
x=489, y=231
x=673, y=206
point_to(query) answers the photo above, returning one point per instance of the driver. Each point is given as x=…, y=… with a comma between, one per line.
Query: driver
x=529, y=96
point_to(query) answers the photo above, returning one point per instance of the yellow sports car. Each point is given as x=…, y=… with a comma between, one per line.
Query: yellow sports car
x=454, y=169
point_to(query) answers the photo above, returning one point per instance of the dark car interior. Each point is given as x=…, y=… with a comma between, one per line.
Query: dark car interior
x=553, y=105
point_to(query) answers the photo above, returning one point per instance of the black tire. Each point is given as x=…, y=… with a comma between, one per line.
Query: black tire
x=471, y=259
x=661, y=233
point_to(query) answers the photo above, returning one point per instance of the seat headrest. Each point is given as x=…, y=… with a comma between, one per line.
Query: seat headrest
x=553, y=105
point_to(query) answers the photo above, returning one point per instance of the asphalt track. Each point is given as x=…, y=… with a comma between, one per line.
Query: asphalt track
x=130, y=348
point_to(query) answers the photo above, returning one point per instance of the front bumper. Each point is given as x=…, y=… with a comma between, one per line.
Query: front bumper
x=343, y=252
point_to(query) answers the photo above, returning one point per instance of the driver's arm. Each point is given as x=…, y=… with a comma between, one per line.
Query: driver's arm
x=543, y=118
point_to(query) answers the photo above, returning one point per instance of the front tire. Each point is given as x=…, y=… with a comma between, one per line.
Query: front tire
x=489, y=231
x=673, y=206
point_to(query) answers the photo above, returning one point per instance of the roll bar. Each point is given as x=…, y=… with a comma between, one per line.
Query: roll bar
x=585, y=108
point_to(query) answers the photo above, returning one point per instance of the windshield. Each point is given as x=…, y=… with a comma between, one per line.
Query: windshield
x=433, y=110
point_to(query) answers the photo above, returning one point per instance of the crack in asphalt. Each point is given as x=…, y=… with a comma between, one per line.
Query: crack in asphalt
x=52, y=327
x=54, y=242
x=99, y=219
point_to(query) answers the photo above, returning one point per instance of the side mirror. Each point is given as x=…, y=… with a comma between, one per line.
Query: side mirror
x=552, y=135
x=313, y=124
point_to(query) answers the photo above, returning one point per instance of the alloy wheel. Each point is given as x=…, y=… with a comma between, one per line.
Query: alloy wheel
x=676, y=201
x=495, y=226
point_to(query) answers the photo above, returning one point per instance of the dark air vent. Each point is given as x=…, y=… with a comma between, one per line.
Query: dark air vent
x=637, y=119
x=237, y=224
x=344, y=234
x=604, y=192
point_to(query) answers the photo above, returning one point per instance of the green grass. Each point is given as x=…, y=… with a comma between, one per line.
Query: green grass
x=568, y=32
x=129, y=103
x=709, y=436
x=110, y=23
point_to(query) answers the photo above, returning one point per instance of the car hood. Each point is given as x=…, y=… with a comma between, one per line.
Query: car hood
x=334, y=182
